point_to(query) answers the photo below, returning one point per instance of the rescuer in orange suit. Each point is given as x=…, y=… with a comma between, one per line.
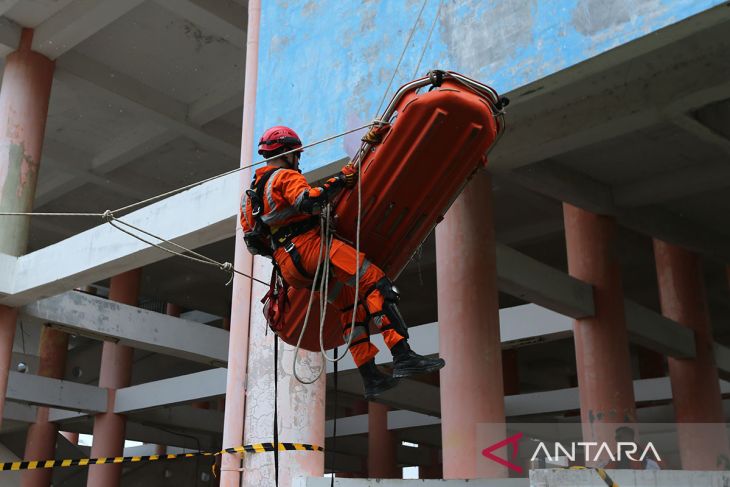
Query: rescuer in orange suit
x=285, y=207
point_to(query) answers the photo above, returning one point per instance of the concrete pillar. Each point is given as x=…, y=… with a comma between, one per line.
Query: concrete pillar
x=511, y=372
x=24, y=95
x=235, y=400
x=601, y=341
x=40, y=443
x=301, y=407
x=695, y=382
x=382, y=444
x=472, y=396
x=116, y=372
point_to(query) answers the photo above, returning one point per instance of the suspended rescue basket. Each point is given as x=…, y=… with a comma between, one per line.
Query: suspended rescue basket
x=414, y=163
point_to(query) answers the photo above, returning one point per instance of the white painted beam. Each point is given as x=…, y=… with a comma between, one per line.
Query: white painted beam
x=221, y=18
x=7, y=273
x=210, y=212
x=137, y=97
x=34, y=389
x=77, y=22
x=209, y=216
x=88, y=315
x=167, y=392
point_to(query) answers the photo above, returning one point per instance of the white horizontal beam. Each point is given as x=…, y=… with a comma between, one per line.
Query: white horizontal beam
x=87, y=315
x=77, y=22
x=34, y=389
x=209, y=212
x=23, y=413
x=210, y=216
x=168, y=392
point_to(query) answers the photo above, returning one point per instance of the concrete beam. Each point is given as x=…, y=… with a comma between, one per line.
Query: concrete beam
x=88, y=315
x=77, y=22
x=687, y=80
x=168, y=392
x=656, y=332
x=7, y=265
x=545, y=402
x=9, y=32
x=34, y=389
x=531, y=280
x=519, y=325
x=137, y=97
x=183, y=417
x=24, y=413
x=565, y=184
x=210, y=215
x=674, y=185
x=218, y=17
x=209, y=212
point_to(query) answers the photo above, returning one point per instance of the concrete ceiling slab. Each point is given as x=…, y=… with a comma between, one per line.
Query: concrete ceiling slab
x=31, y=13
x=167, y=52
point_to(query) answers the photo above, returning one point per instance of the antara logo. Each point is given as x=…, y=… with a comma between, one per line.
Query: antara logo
x=513, y=440
x=602, y=451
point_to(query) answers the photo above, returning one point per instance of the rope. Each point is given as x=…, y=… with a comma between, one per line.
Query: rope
x=233, y=171
x=16, y=213
x=195, y=256
x=110, y=217
x=428, y=39
x=403, y=52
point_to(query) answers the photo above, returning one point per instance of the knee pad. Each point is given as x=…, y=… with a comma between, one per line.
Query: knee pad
x=391, y=298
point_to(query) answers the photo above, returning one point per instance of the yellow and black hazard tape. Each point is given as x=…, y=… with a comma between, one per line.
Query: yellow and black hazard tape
x=84, y=462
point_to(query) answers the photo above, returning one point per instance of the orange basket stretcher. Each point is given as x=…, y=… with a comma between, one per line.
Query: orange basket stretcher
x=433, y=136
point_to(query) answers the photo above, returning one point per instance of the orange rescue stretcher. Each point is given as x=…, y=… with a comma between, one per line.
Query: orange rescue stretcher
x=433, y=136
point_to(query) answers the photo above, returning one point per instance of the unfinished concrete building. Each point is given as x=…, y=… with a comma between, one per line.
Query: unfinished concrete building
x=582, y=279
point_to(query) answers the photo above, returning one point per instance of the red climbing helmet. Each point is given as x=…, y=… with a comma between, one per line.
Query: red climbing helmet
x=278, y=137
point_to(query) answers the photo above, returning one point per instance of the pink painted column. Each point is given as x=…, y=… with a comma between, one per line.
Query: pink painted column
x=116, y=372
x=469, y=340
x=40, y=442
x=382, y=444
x=235, y=400
x=24, y=95
x=695, y=383
x=601, y=341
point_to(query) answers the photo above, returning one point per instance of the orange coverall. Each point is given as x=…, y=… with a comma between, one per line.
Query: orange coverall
x=284, y=191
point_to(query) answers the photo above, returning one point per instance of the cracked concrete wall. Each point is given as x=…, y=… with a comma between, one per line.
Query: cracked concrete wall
x=301, y=407
x=325, y=65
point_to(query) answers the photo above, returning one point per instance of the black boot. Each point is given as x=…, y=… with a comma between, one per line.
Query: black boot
x=406, y=362
x=375, y=381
